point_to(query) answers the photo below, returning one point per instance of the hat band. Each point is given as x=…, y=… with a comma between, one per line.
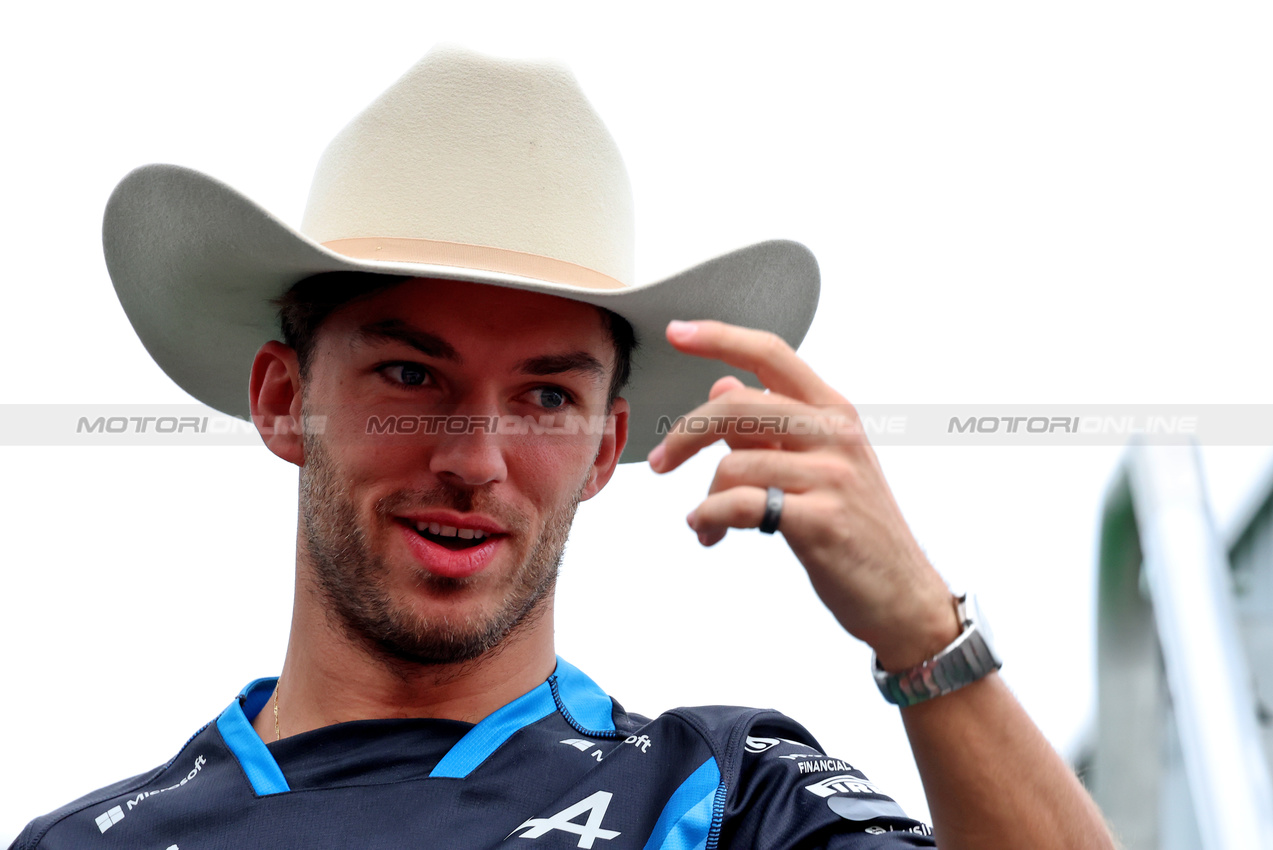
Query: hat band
x=400, y=249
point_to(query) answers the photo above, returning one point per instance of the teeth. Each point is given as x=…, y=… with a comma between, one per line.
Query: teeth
x=450, y=531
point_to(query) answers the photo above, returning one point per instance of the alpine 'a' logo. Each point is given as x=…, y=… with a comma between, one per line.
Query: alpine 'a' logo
x=588, y=831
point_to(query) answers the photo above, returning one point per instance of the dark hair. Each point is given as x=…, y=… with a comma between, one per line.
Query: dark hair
x=303, y=309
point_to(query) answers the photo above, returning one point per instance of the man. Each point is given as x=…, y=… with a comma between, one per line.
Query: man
x=444, y=351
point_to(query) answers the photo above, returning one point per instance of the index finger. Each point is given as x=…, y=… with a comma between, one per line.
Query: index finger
x=766, y=355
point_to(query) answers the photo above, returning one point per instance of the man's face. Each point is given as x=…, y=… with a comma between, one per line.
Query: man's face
x=433, y=518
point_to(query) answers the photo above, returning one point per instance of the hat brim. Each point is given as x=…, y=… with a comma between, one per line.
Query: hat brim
x=196, y=265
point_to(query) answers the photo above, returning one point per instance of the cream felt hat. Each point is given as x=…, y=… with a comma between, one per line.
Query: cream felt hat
x=467, y=168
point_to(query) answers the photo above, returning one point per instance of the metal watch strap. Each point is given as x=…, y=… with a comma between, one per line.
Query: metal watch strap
x=969, y=658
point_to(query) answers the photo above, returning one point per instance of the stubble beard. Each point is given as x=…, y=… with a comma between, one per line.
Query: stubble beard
x=351, y=580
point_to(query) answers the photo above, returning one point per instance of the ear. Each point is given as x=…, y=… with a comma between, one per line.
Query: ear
x=612, y=443
x=275, y=395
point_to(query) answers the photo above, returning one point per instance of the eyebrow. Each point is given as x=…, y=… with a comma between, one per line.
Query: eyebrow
x=556, y=364
x=432, y=345
x=396, y=330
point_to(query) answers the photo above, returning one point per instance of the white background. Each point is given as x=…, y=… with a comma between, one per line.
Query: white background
x=1010, y=202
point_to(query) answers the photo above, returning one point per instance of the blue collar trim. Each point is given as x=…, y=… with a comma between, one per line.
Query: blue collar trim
x=580, y=696
x=584, y=704
x=235, y=726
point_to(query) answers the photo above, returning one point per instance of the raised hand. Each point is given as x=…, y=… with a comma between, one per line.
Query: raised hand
x=838, y=514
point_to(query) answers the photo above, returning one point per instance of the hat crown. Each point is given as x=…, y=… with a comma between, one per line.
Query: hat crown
x=477, y=151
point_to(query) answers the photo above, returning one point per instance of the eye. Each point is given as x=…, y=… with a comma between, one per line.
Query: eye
x=407, y=374
x=551, y=398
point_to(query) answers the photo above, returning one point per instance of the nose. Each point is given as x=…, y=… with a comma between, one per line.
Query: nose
x=470, y=453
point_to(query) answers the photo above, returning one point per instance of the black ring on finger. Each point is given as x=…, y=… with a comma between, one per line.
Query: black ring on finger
x=773, y=511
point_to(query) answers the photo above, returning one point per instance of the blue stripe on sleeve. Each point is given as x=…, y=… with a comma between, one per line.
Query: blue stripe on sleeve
x=686, y=820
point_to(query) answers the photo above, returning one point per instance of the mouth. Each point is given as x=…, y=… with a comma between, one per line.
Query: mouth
x=455, y=538
x=451, y=544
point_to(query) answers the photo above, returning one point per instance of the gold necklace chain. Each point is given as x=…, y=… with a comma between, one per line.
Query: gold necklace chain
x=277, y=736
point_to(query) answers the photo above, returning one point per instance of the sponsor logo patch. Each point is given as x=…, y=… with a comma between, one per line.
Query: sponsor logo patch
x=757, y=744
x=917, y=829
x=109, y=818
x=642, y=743
x=842, y=783
x=114, y=815
x=818, y=764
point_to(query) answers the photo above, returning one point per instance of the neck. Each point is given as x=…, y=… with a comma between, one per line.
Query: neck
x=328, y=678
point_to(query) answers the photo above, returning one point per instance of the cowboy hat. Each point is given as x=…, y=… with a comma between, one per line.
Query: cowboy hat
x=467, y=168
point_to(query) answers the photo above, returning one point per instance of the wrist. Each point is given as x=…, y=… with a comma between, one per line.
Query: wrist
x=967, y=659
x=928, y=631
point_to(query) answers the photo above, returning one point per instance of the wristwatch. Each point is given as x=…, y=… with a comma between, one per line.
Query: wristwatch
x=968, y=659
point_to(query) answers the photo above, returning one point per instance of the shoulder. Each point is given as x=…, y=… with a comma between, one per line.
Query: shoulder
x=729, y=731
x=98, y=811
x=35, y=831
x=778, y=787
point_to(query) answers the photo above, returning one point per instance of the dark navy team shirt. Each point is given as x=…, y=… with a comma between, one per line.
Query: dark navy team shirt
x=563, y=766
